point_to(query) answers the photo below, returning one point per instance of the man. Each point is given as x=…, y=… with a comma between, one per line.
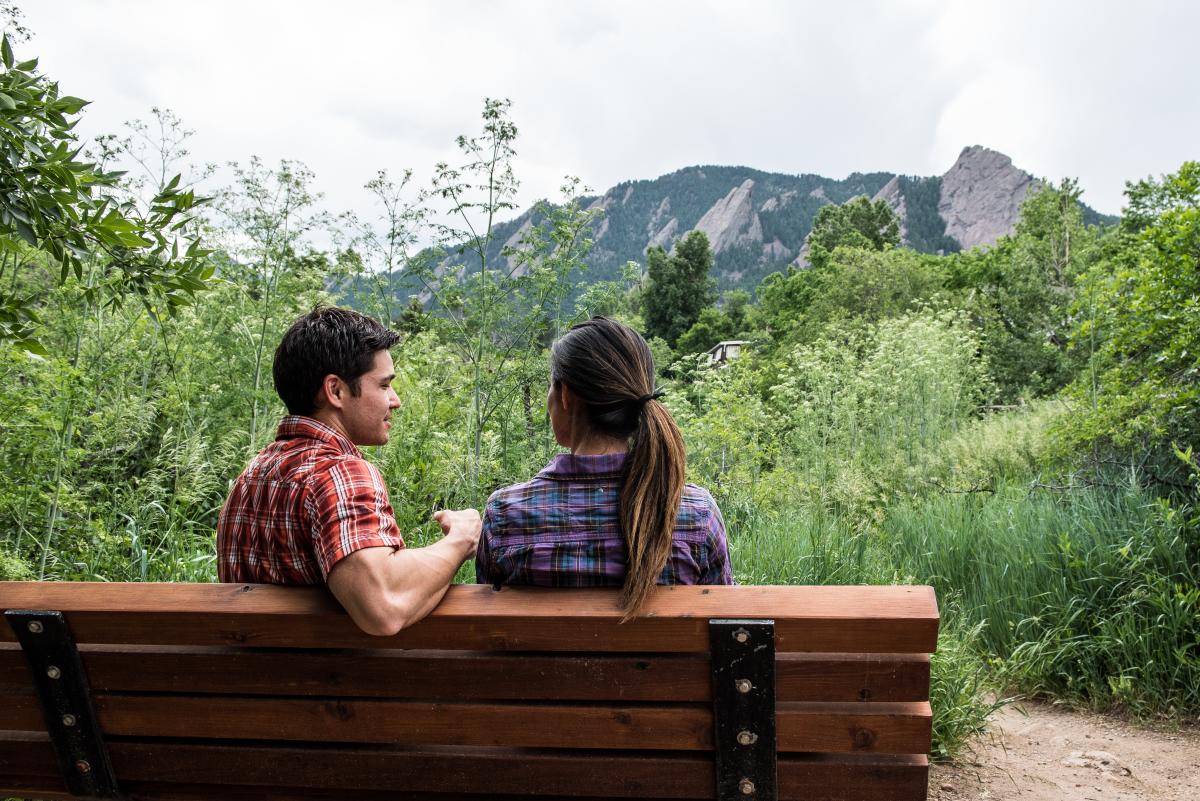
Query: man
x=309, y=507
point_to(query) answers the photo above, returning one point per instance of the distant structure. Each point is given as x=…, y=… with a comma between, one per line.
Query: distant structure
x=722, y=353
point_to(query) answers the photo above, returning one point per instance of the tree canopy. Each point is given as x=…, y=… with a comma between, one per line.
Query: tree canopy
x=678, y=287
x=59, y=210
x=1138, y=311
x=857, y=223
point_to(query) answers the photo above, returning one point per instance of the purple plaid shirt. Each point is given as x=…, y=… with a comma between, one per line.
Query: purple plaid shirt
x=560, y=530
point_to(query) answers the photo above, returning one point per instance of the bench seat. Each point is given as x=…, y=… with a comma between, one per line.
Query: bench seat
x=231, y=691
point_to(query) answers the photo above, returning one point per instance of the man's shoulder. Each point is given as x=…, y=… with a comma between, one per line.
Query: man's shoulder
x=301, y=461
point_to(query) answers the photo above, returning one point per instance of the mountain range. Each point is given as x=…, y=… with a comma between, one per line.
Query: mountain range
x=757, y=221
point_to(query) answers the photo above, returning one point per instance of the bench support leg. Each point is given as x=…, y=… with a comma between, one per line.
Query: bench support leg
x=62, y=688
x=743, y=674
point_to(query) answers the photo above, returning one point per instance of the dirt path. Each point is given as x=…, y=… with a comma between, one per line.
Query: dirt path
x=1050, y=754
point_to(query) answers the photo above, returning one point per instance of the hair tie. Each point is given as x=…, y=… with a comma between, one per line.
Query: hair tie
x=651, y=396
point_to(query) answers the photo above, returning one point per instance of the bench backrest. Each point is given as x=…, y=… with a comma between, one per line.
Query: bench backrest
x=224, y=691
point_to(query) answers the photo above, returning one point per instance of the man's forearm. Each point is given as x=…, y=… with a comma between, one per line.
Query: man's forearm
x=419, y=577
x=385, y=590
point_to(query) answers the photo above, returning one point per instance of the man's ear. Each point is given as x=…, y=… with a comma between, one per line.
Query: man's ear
x=333, y=392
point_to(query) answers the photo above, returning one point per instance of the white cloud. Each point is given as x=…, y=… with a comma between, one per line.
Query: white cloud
x=617, y=90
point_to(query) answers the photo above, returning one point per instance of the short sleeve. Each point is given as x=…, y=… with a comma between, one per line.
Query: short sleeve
x=718, y=570
x=348, y=509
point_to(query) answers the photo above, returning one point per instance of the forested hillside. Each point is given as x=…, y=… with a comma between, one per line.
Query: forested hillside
x=757, y=222
x=1015, y=423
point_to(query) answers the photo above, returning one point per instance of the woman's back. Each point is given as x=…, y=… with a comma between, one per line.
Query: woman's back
x=617, y=511
x=562, y=529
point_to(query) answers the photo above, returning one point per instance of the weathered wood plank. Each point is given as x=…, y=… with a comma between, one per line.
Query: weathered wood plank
x=901, y=619
x=491, y=772
x=889, y=728
x=453, y=675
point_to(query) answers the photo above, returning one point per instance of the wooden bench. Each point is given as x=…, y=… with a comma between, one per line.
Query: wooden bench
x=161, y=691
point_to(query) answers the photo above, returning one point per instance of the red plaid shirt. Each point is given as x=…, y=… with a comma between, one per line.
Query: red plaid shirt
x=306, y=501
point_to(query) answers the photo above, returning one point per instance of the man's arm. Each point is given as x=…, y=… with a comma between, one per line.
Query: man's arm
x=385, y=590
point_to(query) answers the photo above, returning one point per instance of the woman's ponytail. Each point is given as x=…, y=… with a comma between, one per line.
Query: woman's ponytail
x=649, y=501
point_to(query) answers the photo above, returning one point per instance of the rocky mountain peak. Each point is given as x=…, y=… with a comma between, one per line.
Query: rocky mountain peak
x=981, y=196
x=732, y=220
x=757, y=222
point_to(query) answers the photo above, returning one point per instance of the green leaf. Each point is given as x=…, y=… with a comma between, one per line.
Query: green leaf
x=71, y=105
x=26, y=232
x=6, y=102
x=32, y=346
x=6, y=52
x=130, y=240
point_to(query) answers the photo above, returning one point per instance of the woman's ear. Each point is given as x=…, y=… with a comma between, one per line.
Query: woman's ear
x=566, y=398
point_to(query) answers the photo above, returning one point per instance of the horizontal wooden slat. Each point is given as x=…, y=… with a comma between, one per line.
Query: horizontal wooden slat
x=900, y=619
x=455, y=770
x=890, y=728
x=153, y=791
x=454, y=675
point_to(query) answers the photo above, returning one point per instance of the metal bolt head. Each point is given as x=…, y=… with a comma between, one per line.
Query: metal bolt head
x=741, y=635
x=743, y=685
x=83, y=766
x=53, y=672
x=746, y=737
x=68, y=720
x=746, y=787
x=35, y=626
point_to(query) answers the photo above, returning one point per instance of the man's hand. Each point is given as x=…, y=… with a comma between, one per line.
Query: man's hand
x=460, y=525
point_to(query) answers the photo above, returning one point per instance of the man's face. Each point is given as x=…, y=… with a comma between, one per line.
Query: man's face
x=365, y=417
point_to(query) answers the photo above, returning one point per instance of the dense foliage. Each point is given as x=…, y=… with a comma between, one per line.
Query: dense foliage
x=859, y=223
x=678, y=287
x=59, y=211
x=1015, y=425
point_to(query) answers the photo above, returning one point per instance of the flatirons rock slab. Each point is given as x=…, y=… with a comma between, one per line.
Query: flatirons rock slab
x=981, y=196
x=732, y=220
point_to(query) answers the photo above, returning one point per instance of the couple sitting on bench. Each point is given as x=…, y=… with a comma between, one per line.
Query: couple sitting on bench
x=614, y=512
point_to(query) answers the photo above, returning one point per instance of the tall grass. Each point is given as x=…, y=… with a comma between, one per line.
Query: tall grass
x=810, y=546
x=1091, y=596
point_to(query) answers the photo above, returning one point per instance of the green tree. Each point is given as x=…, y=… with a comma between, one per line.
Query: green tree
x=386, y=248
x=268, y=217
x=857, y=223
x=784, y=298
x=678, y=287
x=730, y=321
x=1140, y=392
x=61, y=214
x=853, y=283
x=501, y=307
x=1022, y=288
x=871, y=285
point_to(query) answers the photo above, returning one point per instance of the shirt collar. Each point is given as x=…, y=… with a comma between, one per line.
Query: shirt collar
x=568, y=466
x=296, y=426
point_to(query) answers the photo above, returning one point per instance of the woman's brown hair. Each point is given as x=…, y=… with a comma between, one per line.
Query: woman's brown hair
x=610, y=367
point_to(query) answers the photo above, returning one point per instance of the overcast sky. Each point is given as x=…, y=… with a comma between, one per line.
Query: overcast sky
x=609, y=91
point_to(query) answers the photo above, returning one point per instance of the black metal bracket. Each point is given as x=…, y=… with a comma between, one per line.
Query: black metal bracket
x=743, y=674
x=62, y=688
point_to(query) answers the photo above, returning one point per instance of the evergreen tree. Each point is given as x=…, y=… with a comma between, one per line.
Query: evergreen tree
x=857, y=223
x=678, y=287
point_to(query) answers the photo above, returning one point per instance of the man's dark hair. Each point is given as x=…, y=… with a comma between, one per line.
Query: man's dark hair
x=326, y=341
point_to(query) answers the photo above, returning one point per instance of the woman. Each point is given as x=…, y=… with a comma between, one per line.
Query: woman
x=616, y=510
